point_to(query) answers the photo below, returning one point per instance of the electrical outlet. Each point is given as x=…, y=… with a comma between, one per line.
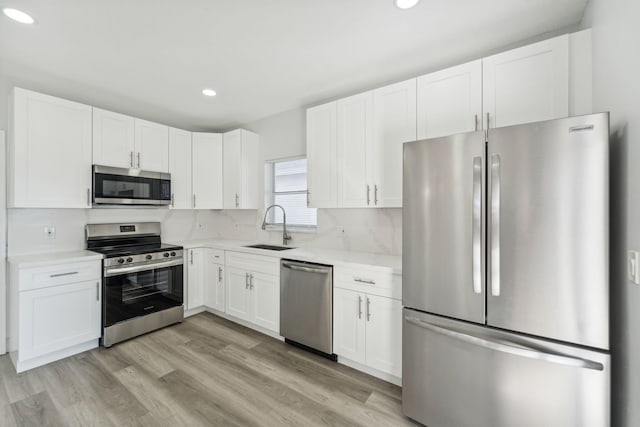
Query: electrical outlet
x=633, y=266
x=50, y=232
x=200, y=226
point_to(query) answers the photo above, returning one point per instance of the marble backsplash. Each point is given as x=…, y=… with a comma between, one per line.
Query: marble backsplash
x=363, y=230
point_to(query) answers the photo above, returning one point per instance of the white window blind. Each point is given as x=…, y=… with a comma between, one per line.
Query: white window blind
x=287, y=186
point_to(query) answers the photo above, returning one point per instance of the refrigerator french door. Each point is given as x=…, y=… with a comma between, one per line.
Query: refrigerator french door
x=507, y=235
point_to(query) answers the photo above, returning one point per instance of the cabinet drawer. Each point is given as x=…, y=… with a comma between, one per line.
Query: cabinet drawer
x=255, y=263
x=368, y=280
x=59, y=274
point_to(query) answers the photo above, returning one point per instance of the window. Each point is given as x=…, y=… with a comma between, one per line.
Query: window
x=286, y=185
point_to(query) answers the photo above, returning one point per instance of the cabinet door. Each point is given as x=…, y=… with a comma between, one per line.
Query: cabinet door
x=238, y=294
x=113, y=139
x=354, y=151
x=322, y=157
x=384, y=334
x=265, y=289
x=180, y=168
x=207, y=171
x=195, y=279
x=450, y=101
x=152, y=146
x=232, y=155
x=250, y=193
x=349, y=326
x=58, y=317
x=49, y=152
x=214, y=284
x=529, y=84
x=394, y=122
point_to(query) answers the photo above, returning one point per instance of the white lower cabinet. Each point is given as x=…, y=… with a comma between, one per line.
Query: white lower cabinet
x=239, y=299
x=349, y=329
x=194, y=297
x=367, y=328
x=214, y=291
x=55, y=318
x=54, y=312
x=253, y=289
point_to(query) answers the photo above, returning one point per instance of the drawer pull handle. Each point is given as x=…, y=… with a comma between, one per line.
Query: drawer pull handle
x=71, y=273
x=367, y=281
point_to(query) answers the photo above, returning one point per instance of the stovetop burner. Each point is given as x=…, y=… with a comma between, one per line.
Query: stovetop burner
x=130, y=243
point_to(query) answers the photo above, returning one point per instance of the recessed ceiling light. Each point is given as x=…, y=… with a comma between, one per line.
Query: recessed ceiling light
x=18, y=15
x=405, y=4
x=209, y=92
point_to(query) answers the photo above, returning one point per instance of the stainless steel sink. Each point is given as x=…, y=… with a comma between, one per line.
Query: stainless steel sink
x=269, y=247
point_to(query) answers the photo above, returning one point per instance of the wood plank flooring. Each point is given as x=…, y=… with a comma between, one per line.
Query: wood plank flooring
x=206, y=371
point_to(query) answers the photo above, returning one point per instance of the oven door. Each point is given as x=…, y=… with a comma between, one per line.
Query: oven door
x=136, y=293
x=118, y=186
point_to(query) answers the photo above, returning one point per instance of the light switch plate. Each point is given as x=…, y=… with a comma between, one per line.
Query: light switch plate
x=633, y=266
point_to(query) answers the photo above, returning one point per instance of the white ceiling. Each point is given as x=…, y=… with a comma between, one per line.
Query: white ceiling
x=152, y=58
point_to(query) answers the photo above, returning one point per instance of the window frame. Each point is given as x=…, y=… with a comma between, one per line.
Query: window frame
x=270, y=194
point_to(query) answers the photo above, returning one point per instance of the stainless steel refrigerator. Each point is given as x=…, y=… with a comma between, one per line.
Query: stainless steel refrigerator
x=506, y=276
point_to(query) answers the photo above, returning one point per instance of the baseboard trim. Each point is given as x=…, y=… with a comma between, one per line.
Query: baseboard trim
x=371, y=371
x=25, y=365
x=242, y=322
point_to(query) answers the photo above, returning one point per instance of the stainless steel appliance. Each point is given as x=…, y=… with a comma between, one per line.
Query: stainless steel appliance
x=306, y=305
x=121, y=186
x=505, y=276
x=142, y=283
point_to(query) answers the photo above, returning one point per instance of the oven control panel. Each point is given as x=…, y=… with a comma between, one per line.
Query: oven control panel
x=155, y=257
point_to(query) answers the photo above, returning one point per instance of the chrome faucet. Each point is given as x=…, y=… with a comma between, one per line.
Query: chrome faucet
x=285, y=235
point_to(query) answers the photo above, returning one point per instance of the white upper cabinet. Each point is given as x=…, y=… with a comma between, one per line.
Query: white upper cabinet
x=450, y=101
x=126, y=142
x=355, y=142
x=180, y=168
x=528, y=84
x=113, y=139
x=49, y=152
x=394, y=122
x=322, y=145
x=152, y=146
x=207, y=171
x=241, y=170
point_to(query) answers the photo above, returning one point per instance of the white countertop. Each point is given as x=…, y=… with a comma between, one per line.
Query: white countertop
x=51, y=258
x=321, y=256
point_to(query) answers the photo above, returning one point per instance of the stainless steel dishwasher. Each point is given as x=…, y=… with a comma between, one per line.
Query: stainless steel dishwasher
x=306, y=306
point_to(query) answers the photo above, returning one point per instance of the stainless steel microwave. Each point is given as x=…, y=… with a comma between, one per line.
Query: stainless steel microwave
x=121, y=186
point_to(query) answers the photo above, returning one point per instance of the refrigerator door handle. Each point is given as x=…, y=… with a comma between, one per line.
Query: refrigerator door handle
x=476, y=228
x=495, y=225
x=511, y=349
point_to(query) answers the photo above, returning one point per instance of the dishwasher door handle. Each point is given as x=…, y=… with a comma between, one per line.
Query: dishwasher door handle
x=306, y=269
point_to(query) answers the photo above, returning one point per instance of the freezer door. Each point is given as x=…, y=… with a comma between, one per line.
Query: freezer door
x=442, y=226
x=548, y=225
x=457, y=374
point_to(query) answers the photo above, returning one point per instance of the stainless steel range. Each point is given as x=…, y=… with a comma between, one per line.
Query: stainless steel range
x=141, y=280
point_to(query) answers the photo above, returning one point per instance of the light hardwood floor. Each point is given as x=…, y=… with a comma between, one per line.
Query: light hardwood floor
x=206, y=371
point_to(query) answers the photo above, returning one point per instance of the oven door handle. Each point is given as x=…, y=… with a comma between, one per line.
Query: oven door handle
x=109, y=272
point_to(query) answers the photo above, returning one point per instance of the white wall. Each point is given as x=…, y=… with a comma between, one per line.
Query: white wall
x=616, y=76
x=26, y=226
